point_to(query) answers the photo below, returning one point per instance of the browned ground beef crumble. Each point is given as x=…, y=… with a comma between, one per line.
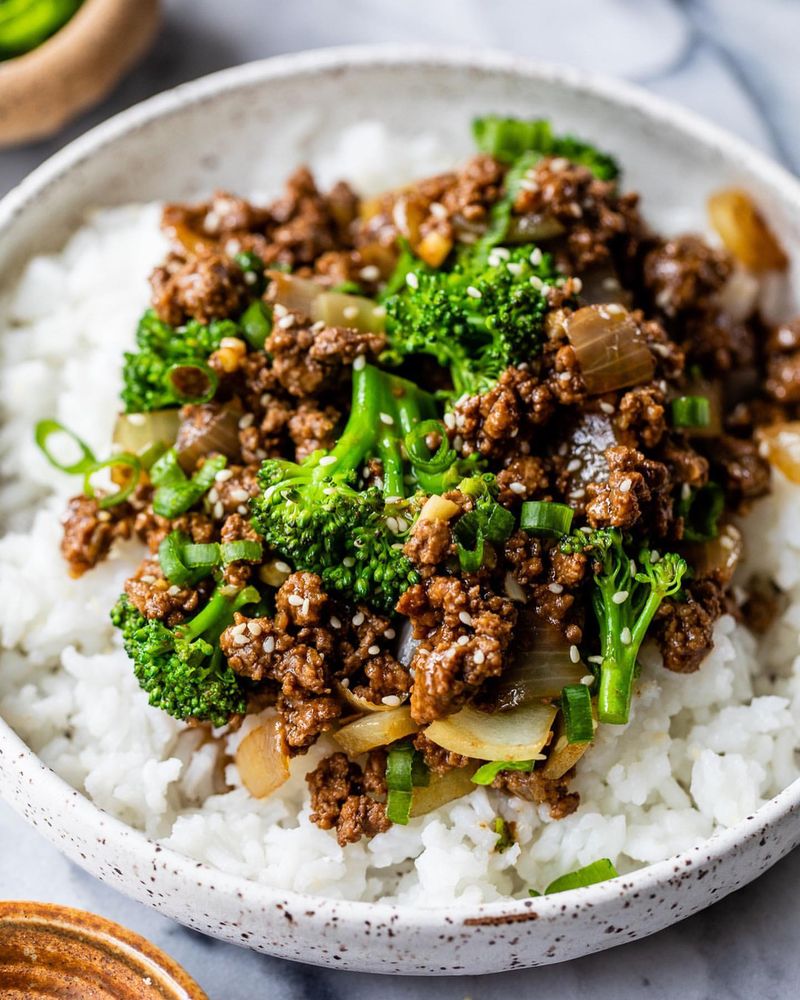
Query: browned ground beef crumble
x=615, y=458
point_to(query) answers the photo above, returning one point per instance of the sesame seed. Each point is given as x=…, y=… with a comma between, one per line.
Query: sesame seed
x=606, y=407
x=402, y=524
x=219, y=510
x=502, y=252
x=620, y=597
x=558, y=165
x=625, y=636
x=391, y=700
x=563, y=448
x=348, y=561
x=319, y=326
x=437, y=210
x=564, y=376
x=479, y=656
x=370, y=273
x=223, y=475
x=463, y=640
x=306, y=605
x=246, y=421
x=103, y=515
x=458, y=442
x=358, y=618
x=374, y=650
x=137, y=419
x=655, y=555
x=240, y=496
x=574, y=465
x=518, y=488
x=379, y=312
x=281, y=566
x=242, y=509
x=577, y=285
x=555, y=588
x=147, y=578
x=449, y=420
x=536, y=281
x=254, y=628
x=494, y=260
x=625, y=485
x=329, y=491
x=465, y=617
x=473, y=292
x=578, y=494
x=250, y=277
x=350, y=312
x=393, y=525
x=335, y=623
x=269, y=644
x=412, y=280
x=240, y=640
x=588, y=680
x=545, y=289
x=286, y=322
x=173, y=590
x=345, y=682
x=526, y=184
x=686, y=491
x=514, y=268
x=328, y=460
x=536, y=257
x=387, y=418
x=632, y=567
x=574, y=654
x=359, y=362
x=595, y=659
x=389, y=633
x=295, y=600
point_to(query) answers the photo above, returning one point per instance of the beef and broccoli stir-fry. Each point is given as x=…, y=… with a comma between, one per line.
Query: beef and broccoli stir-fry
x=424, y=471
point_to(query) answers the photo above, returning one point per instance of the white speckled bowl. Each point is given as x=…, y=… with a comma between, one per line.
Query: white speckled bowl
x=244, y=128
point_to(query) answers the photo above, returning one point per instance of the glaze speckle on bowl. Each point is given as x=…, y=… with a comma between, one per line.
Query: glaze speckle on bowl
x=217, y=133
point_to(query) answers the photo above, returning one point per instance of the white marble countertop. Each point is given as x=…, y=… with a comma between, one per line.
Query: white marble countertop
x=734, y=61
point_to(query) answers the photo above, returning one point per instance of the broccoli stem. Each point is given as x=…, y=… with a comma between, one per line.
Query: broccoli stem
x=215, y=617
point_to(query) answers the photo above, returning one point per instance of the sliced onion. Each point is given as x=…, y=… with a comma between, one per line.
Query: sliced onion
x=187, y=237
x=518, y=734
x=782, y=445
x=375, y=730
x=443, y=788
x=361, y=704
x=138, y=432
x=331, y=308
x=610, y=349
x=738, y=297
x=207, y=428
x=406, y=644
x=718, y=557
x=532, y=229
x=437, y=508
x=744, y=231
x=262, y=760
x=541, y=666
x=274, y=573
x=562, y=757
x=601, y=285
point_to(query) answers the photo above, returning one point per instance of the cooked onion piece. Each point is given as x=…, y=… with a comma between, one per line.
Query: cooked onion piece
x=518, y=734
x=375, y=730
x=718, y=557
x=443, y=788
x=781, y=443
x=210, y=428
x=541, y=666
x=332, y=308
x=437, y=508
x=262, y=760
x=533, y=229
x=564, y=754
x=610, y=349
x=138, y=432
x=361, y=704
x=745, y=233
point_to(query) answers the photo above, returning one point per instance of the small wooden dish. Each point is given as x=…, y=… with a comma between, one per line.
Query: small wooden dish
x=51, y=951
x=43, y=89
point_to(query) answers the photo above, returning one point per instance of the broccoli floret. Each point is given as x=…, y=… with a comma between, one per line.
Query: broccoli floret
x=160, y=346
x=476, y=318
x=315, y=516
x=509, y=138
x=182, y=669
x=625, y=598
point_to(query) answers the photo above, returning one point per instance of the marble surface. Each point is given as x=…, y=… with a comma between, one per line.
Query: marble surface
x=734, y=61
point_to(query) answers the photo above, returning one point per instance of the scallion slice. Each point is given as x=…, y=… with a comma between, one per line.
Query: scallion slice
x=244, y=549
x=576, y=704
x=205, y=555
x=253, y=267
x=166, y=470
x=195, y=383
x=691, y=411
x=126, y=461
x=256, y=323
x=175, y=493
x=545, y=517
x=44, y=431
x=486, y=773
x=398, y=806
x=597, y=871
x=404, y=770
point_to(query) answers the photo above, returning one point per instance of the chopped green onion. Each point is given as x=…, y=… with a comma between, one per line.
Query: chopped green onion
x=404, y=770
x=545, y=517
x=124, y=459
x=206, y=555
x=691, y=411
x=45, y=429
x=171, y=556
x=192, y=383
x=398, y=806
x=176, y=496
x=421, y=456
x=492, y=523
x=253, y=267
x=504, y=837
x=471, y=559
x=207, y=473
x=701, y=511
x=597, y=871
x=256, y=324
x=245, y=549
x=576, y=704
x=166, y=470
x=486, y=773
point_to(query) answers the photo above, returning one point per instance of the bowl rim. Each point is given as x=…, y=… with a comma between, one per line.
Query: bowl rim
x=82, y=811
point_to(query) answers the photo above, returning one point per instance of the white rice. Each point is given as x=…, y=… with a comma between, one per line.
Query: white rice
x=700, y=753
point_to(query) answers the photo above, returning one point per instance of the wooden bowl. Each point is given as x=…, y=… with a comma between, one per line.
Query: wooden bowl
x=55, y=951
x=45, y=88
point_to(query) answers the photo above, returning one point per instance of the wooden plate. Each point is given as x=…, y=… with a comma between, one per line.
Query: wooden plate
x=50, y=951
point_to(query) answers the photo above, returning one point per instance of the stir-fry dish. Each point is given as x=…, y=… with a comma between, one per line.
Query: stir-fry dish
x=425, y=471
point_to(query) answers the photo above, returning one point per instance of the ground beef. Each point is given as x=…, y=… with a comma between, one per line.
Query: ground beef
x=341, y=798
x=312, y=428
x=429, y=543
x=155, y=597
x=232, y=491
x=531, y=786
x=684, y=274
x=152, y=529
x=235, y=529
x=525, y=477
x=684, y=629
x=636, y=488
x=641, y=416
x=743, y=472
x=305, y=719
x=466, y=645
x=523, y=553
x=203, y=286
x=89, y=532
x=783, y=378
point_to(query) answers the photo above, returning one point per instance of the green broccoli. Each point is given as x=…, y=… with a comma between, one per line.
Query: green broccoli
x=182, y=669
x=315, y=516
x=507, y=139
x=625, y=599
x=476, y=318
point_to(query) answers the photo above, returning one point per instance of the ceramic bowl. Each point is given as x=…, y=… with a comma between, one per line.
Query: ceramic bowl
x=245, y=128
